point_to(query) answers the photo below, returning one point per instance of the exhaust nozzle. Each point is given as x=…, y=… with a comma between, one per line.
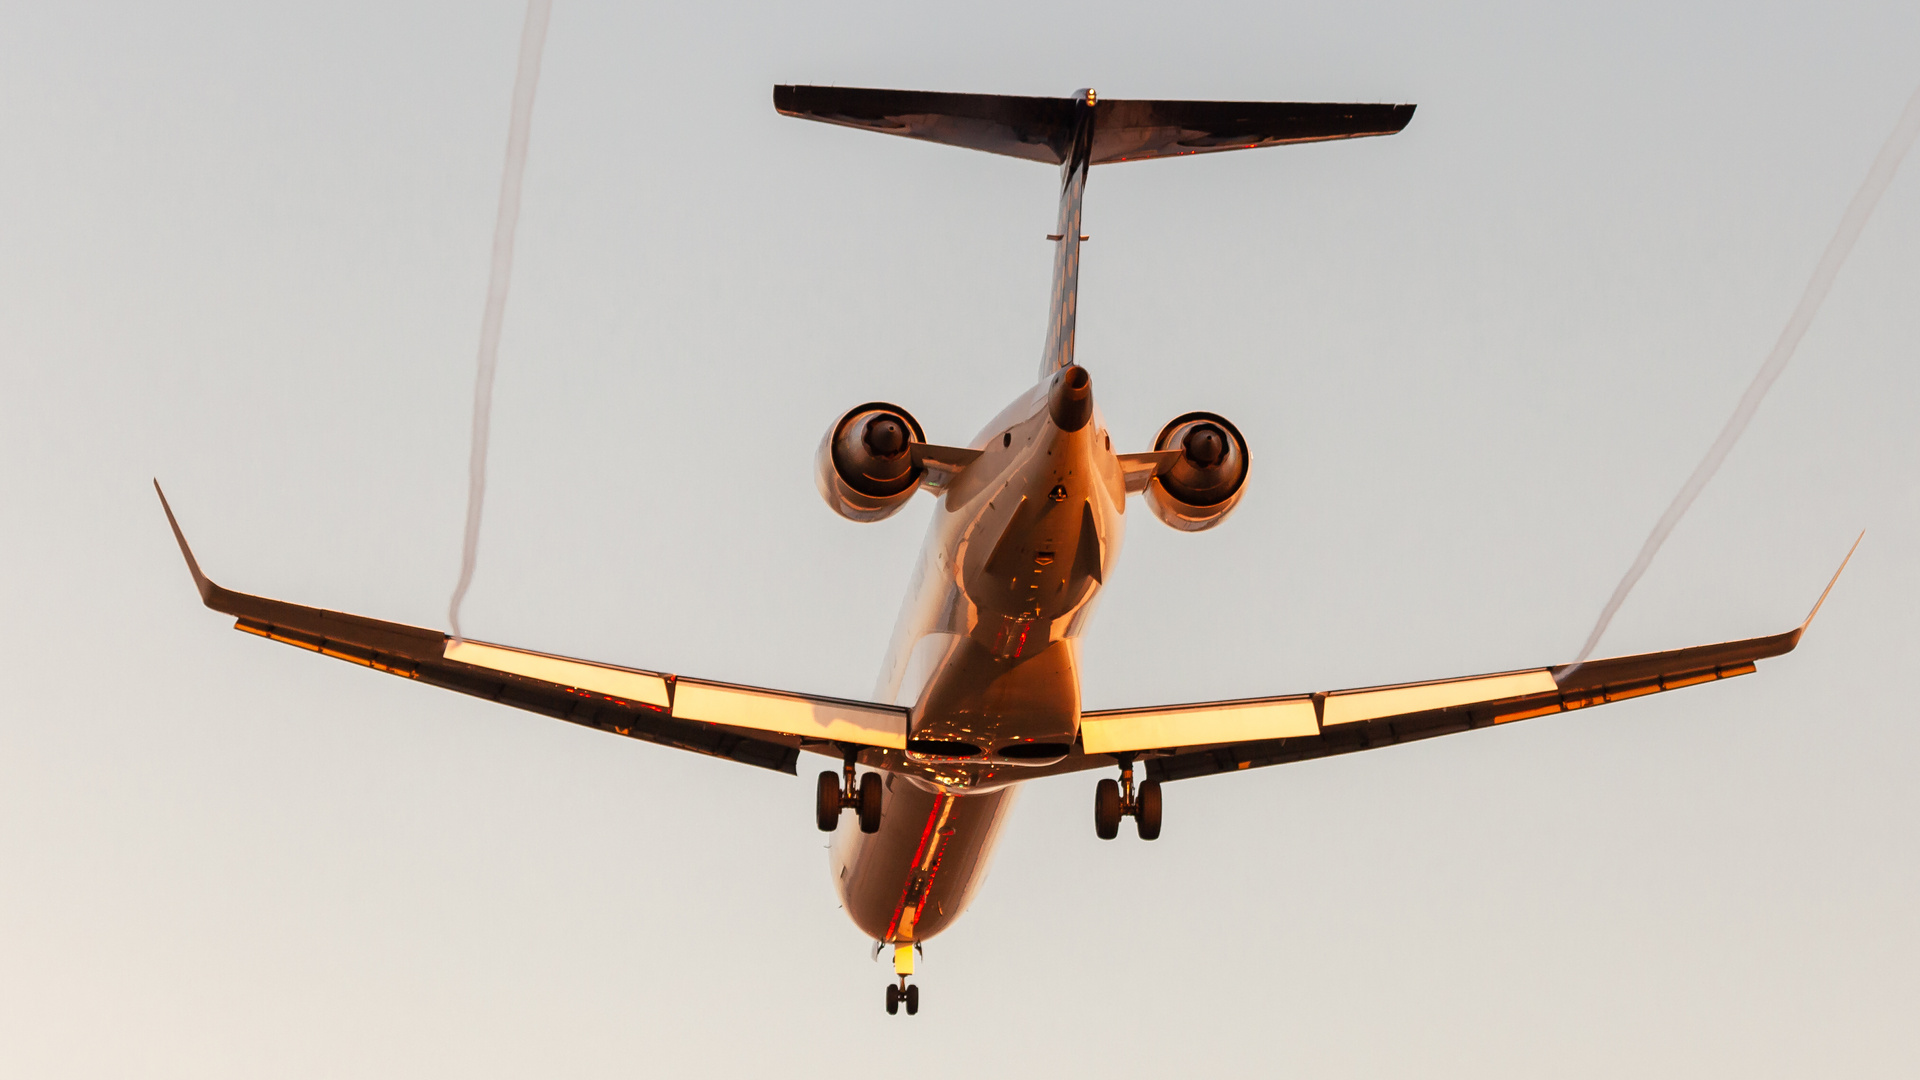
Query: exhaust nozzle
x=1071, y=400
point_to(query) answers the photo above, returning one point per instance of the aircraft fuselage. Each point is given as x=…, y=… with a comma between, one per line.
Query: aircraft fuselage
x=986, y=654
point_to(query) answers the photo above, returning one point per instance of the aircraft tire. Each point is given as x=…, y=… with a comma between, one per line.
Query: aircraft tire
x=1147, y=817
x=826, y=802
x=1106, y=809
x=870, y=796
x=893, y=999
x=913, y=1000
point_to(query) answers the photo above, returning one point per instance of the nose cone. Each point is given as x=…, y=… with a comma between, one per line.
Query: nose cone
x=1071, y=400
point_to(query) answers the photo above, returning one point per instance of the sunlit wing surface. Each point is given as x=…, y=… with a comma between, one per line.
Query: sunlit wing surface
x=1195, y=740
x=1181, y=741
x=760, y=727
x=1041, y=128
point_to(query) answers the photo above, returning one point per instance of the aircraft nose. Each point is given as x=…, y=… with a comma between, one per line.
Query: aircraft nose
x=1071, y=399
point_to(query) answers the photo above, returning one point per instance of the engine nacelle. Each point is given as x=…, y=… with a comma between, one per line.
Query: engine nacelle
x=863, y=468
x=1205, y=482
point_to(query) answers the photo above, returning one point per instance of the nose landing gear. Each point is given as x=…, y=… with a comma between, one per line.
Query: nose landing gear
x=863, y=798
x=897, y=994
x=1113, y=800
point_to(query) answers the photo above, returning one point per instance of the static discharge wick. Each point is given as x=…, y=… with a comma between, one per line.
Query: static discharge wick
x=533, y=39
x=1851, y=223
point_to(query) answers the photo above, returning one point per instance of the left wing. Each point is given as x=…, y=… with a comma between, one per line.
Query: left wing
x=1181, y=741
x=760, y=727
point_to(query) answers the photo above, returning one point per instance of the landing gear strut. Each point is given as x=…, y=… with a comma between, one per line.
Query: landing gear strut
x=1115, y=799
x=863, y=798
x=903, y=967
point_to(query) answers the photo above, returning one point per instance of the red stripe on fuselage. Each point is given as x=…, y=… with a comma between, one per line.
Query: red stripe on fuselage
x=929, y=834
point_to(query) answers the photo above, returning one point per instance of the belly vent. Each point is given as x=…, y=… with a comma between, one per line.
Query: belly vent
x=1034, y=751
x=947, y=748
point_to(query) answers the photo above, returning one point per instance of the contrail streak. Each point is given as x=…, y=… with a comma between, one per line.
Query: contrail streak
x=1836, y=254
x=533, y=39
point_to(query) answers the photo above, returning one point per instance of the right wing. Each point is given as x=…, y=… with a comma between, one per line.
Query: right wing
x=1181, y=741
x=747, y=724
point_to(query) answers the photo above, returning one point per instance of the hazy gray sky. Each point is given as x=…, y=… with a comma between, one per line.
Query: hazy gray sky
x=244, y=248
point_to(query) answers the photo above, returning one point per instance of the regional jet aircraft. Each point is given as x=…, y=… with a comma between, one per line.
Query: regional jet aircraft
x=980, y=691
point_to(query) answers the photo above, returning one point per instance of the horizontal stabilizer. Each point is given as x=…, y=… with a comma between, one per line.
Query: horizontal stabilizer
x=1042, y=129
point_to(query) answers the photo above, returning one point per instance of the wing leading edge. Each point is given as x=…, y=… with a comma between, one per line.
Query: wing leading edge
x=760, y=727
x=1181, y=741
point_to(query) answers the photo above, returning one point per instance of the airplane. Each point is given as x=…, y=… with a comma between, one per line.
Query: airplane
x=979, y=692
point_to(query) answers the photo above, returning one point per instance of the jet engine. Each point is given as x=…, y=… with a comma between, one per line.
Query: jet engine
x=1201, y=486
x=863, y=468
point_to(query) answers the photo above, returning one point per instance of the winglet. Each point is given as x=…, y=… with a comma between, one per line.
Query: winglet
x=208, y=590
x=1830, y=585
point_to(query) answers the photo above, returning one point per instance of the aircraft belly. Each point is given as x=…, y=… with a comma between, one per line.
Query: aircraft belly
x=984, y=699
x=911, y=879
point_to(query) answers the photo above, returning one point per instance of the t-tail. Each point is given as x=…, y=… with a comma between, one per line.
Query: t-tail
x=1079, y=131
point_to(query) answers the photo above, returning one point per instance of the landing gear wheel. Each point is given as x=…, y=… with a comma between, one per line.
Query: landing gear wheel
x=1146, y=811
x=913, y=1000
x=870, y=812
x=893, y=1001
x=826, y=802
x=1106, y=809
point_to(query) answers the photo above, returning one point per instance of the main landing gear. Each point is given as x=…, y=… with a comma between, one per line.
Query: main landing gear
x=863, y=798
x=897, y=994
x=1113, y=800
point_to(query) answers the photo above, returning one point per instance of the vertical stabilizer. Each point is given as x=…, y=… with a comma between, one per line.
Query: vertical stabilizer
x=1066, y=255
